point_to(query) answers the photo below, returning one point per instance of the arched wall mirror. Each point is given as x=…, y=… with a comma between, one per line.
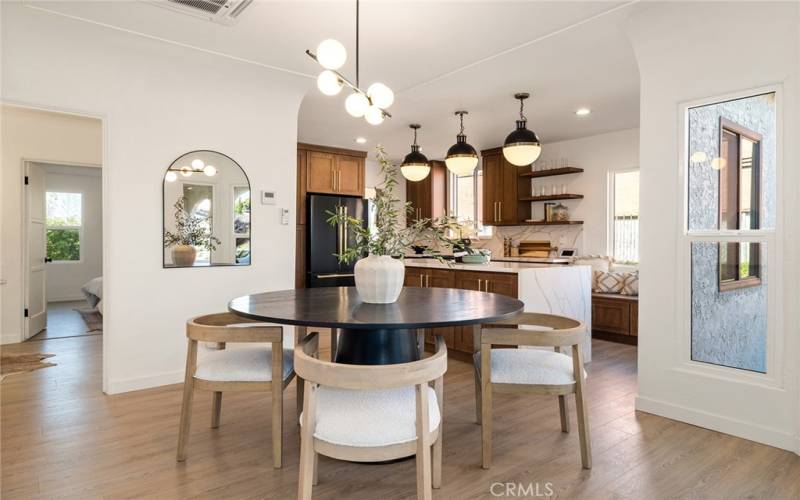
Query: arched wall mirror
x=206, y=212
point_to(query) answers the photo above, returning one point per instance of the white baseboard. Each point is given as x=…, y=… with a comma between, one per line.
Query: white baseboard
x=147, y=382
x=738, y=428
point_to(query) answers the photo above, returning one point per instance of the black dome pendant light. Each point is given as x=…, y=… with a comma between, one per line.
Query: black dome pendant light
x=461, y=157
x=522, y=146
x=415, y=166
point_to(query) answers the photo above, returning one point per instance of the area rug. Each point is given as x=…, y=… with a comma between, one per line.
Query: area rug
x=93, y=320
x=11, y=364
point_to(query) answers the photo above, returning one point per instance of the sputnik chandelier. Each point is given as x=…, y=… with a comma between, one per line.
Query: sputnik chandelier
x=372, y=104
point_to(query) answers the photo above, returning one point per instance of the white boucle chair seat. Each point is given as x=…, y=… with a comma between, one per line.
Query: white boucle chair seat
x=370, y=418
x=247, y=364
x=530, y=366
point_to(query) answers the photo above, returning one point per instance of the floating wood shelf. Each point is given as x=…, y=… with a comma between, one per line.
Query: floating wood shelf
x=552, y=172
x=553, y=197
x=538, y=223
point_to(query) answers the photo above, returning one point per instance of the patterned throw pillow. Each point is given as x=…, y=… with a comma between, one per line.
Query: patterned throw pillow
x=630, y=283
x=609, y=282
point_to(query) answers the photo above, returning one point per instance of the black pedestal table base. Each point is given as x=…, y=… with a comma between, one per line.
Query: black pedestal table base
x=377, y=346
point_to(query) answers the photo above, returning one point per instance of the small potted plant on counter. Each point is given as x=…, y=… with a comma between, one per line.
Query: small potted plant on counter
x=379, y=269
x=191, y=231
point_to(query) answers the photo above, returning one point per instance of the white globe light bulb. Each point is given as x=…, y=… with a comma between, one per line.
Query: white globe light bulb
x=197, y=164
x=356, y=104
x=374, y=115
x=380, y=95
x=328, y=83
x=171, y=177
x=210, y=170
x=331, y=54
x=522, y=155
x=415, y=173
x=461, y=165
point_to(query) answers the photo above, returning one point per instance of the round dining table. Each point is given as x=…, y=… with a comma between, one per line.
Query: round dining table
x=376, y=334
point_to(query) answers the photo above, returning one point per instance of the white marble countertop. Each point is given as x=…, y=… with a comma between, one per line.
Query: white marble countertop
x=494, y=266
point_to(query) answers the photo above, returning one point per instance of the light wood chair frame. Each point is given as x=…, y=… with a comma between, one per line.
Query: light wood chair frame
x=565, y=332
x=218, y=328
x=428, y=445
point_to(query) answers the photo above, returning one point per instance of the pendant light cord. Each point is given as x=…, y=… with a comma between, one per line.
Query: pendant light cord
x=461, y=116
x=521, y=106
x=358, y=84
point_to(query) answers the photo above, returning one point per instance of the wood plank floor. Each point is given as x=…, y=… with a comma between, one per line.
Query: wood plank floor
x=62, y=438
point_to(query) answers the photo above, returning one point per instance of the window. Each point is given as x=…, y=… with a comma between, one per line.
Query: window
x=466, y=195
x=624, y=231
x=63, y=220
x=731, y=208
x=739, y=167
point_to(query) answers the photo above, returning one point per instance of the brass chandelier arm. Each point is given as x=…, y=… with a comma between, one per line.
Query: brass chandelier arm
x=347, y=82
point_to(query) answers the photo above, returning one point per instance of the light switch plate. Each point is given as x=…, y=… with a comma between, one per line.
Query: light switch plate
x=268, y=197
x=285, y=216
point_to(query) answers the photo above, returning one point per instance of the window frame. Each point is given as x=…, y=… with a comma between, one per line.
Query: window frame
x=78, y=228
x=484, y=232
x=611, y=215
x=726, y=125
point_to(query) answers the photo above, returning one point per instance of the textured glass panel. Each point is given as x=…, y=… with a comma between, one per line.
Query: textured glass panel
x=729, y=317
x=713, y=152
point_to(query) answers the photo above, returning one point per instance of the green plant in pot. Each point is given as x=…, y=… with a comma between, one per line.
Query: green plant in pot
x=379, y=269
x=191, y=232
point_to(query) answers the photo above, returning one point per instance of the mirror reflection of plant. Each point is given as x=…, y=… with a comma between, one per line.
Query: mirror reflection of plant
x=388, y=237
x=190, y=229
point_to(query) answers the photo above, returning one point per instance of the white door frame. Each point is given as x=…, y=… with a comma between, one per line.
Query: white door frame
x=106, y=207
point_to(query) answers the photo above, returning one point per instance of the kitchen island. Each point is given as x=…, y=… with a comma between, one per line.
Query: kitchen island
x=565, y=290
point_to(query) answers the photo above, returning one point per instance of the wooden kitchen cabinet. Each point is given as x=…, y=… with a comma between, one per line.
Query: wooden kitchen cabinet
x=428, y=197
x=615, y=317
x=433, y=278
x=503, y=189
x=460, y=338
x=332, y=170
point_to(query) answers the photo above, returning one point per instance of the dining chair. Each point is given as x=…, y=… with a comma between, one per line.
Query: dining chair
x=533, y=371
x=251, y=368
x=371, y=413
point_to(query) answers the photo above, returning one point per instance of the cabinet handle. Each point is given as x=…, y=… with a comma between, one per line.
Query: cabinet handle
x=486, y=286
x=421, y=277
x=427, y=281
x=500, y=210
x=337, y=179
x=479, y=285
x=333, y=178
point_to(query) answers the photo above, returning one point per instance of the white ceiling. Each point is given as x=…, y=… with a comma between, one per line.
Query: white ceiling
x=438, y=56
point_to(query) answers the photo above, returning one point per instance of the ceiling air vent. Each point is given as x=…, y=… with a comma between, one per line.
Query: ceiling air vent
x=219, y=11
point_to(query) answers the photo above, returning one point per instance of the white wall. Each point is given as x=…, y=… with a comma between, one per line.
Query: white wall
x=64, y=279
x=597, y=155
x=156, y=108
x=683, y=51
x=33, y=135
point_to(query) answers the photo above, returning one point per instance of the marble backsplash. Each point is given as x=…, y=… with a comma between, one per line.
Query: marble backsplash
x=558, y=236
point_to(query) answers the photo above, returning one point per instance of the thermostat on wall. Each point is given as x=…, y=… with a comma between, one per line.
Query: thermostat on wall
x=268, y=197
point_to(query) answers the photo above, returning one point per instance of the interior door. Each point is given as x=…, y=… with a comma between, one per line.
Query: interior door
x=36, y=300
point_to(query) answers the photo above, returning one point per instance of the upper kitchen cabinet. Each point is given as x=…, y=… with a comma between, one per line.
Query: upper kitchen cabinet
x=428, y=197
x=332, y=170
x=503, y=191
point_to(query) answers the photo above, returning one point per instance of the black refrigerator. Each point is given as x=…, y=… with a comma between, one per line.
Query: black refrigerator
x=325, y=240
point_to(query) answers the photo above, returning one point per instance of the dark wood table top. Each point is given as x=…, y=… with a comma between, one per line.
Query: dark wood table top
x=341, y=307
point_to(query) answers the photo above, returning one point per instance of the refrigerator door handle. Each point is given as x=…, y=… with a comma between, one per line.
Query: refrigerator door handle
x=334, y=275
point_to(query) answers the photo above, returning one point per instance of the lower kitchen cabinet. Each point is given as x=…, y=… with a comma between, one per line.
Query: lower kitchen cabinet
x=615, y=317
x=460, y=338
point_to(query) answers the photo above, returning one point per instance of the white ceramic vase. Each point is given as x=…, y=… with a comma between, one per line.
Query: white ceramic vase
x=379, y=279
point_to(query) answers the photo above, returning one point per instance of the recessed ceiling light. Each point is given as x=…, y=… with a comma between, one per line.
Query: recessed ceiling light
x=361, y=140
x=583, y=111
